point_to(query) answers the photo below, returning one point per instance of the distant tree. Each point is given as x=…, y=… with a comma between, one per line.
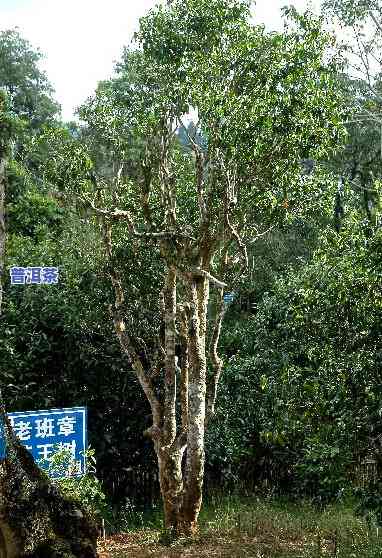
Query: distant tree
x=27, y=86
x=360, y=161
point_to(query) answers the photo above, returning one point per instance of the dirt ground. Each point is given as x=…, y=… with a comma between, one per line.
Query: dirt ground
x=133, y=546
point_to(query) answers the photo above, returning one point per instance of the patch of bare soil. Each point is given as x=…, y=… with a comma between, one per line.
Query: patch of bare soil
x=136, y=545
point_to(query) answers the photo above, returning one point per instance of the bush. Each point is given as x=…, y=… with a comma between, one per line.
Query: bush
x=86, y=489
x=370, y=504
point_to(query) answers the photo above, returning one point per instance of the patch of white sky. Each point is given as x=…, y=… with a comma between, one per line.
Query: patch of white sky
x=82, y=39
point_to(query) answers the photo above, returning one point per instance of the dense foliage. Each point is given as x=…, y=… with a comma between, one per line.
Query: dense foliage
x=306, y=373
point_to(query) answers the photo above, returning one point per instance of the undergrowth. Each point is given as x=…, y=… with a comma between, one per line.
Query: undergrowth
x=265, y=528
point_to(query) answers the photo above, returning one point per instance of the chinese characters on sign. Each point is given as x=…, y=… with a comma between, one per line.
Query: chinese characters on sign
x=44, y=432
x=33, y=275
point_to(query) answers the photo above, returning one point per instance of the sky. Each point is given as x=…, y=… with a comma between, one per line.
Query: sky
x=81, y=39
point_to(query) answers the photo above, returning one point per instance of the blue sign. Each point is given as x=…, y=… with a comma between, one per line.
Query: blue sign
x=2, y=439
x=228, y=297
x=45, y=432
x=33, y=275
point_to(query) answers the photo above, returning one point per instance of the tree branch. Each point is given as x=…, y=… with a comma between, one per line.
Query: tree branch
x=375, y=21
x=124, y=339
x=169, y=410
x=198, y=272
x=217, y=362
x=118, y=214
x=183, y=319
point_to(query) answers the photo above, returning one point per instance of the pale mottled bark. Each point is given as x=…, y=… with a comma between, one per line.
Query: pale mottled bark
x=216, y=361
x=171, y=485
x=184, y=363
x=194, y=472
x=182, y=490
x=169, y=415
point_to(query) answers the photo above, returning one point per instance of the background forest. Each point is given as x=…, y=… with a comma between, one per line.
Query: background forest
x=299, y=409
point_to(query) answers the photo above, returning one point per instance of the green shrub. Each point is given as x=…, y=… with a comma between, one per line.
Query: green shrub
x=85, y=489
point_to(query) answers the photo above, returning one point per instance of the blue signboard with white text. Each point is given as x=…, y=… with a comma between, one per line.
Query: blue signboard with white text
x=2, y=440
x=45, y=432
x=228, y=297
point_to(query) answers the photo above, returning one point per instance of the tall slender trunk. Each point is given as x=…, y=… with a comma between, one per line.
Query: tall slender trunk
x=194, y=471
x=169, y=451
x=169, y=418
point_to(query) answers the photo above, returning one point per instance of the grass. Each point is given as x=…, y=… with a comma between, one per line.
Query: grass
x=239, y=527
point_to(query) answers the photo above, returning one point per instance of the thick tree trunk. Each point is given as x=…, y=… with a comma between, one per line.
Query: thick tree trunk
x=36, y=521
x=182, y=489
x=194, y=473
x=171, y=485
